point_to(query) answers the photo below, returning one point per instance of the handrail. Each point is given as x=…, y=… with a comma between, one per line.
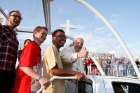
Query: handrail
x=57, y=77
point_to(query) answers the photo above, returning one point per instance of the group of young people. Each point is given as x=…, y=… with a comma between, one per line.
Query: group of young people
x=28, y=71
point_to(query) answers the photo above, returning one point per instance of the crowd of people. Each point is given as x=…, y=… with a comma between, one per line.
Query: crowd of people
x=27, y=76
x=118, y=67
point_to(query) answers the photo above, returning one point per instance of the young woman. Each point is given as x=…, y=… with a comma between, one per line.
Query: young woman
x=29, y=63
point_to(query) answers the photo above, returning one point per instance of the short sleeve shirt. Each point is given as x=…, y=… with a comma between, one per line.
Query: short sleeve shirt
x=52, y=59
x=30, y=57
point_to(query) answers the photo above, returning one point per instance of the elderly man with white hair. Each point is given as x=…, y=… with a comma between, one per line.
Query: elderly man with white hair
x=73, y=56
x=73, y=59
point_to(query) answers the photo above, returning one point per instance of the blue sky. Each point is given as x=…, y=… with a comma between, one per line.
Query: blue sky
x=123, y=14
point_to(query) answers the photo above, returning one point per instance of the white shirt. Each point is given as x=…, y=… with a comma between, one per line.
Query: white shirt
x=69, y=55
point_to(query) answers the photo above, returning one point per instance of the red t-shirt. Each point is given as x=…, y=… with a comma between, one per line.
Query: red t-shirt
x=30, y=57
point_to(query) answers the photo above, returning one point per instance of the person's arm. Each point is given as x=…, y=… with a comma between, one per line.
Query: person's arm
x=60, y=72
x=29, y=54
x=30, y=72
x=50, y=59
x=68, y=56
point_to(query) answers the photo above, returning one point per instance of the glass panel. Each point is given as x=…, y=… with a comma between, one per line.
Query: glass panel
x=126, y=87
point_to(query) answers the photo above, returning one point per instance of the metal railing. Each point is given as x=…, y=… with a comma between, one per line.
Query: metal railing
x=118, y=70
x=58, y=78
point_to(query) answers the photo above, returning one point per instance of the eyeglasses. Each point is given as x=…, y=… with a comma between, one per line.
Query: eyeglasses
x=16, y=16
x=61, y=37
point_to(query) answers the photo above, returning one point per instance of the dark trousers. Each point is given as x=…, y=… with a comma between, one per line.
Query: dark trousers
x=7, y=79
x=85, y=86
x=81, y=86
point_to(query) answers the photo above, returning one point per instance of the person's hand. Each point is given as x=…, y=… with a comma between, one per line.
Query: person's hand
x=82, y=53
x=44, y=82
x=79, y=76
x=84, y=75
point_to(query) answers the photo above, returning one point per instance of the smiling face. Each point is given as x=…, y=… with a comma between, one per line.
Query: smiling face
x=40, y=34
x=59, y=39
x=14, y=19
x=78, y=44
